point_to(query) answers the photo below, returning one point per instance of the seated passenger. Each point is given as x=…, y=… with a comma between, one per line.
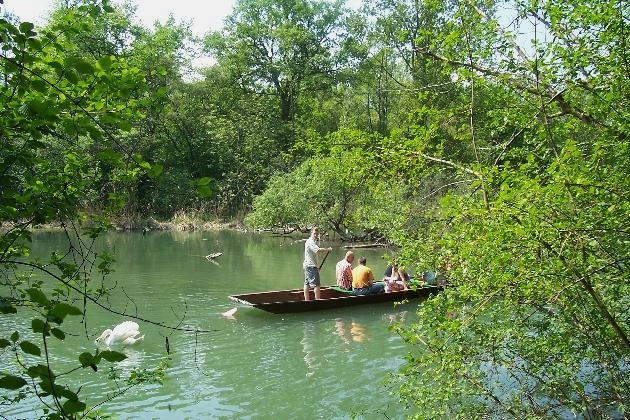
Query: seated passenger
x=398, y=280
x=363, y=280
x=391, y=268
x=343, y=271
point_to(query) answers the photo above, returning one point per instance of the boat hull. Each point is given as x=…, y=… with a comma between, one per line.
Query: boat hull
x=292, y=300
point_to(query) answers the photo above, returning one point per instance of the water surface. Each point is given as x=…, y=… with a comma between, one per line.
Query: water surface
x=325, y=364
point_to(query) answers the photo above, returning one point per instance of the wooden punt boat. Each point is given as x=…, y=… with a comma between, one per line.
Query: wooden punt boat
x=292, y=300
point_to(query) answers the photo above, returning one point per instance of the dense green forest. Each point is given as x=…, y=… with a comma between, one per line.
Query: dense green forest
x=485, y=138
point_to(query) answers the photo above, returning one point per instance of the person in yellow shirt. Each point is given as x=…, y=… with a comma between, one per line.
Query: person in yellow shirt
x=363, y=280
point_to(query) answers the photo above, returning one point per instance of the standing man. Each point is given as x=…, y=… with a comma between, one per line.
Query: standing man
x=363, y=280
x=343, y=271
x=310, y=265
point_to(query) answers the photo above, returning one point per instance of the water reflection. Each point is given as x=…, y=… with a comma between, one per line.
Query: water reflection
x=350, y=331
x=396, y=317
x=358, y=332
x=213, y=261
x=308, y=348
x=340, y=330
x=352, y=335
x=229, y=314
x=133, y=361
x=320, y=352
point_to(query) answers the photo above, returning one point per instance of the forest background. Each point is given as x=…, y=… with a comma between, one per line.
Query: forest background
x=430, y=125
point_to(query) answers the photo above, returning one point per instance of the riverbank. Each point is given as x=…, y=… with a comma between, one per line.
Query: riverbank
x=179, y=223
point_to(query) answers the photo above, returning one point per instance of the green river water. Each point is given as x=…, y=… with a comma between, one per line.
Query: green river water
x=318, y=365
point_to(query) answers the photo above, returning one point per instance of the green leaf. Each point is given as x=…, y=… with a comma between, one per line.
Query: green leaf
x=155, y=171
x=104, y=63
x=112, y=356
x=6, y=307
x=38, y=297
x=72, y=76
x=61, y=310
x=95, y=132
x=125, y=125
x=15, y=336
x=71, y=396
x=4, y=343
x=51, y=389
x=34, y=44
x=26, y=27
x=38, y=371
x=204, y=191
x=30, y=348
x=83, y=67
x=39, y=85
x=204, y=188
x=12, y=382
x=59, y=334
x=86, y=359
x=73, y=406
x=109, y=156
x=37, y=325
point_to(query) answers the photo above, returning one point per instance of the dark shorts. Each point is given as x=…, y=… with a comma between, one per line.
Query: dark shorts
x=311, y=277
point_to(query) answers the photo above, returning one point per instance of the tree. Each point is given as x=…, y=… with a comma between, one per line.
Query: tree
x=54, y=103
x=335, y=189
x=281, y=48
x=319, y=192
x=407, y=28
x=538, y=323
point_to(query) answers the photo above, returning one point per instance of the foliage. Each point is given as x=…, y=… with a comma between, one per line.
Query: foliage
x=322, y=191
x=337, y=189
x=210, y=129
x=286, y=49
x=316, y=193
x=536, y=325
x=47, y=169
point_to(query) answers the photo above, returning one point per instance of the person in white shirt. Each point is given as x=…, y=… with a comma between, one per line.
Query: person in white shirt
x=310, y=265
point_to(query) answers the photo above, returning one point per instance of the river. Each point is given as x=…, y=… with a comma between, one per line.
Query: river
x=318, y=365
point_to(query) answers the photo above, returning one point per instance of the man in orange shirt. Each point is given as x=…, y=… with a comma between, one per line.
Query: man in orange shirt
x=363, y=280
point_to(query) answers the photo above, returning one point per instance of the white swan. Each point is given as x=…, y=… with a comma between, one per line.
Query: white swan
x=126, y=333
